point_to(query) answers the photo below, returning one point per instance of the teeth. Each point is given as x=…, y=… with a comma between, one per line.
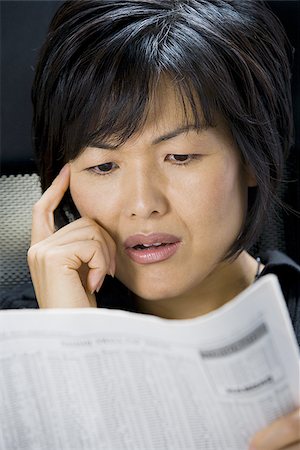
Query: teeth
x=156, y=244
x=141, y=246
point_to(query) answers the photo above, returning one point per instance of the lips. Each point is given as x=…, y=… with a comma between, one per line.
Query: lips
x=152, y=248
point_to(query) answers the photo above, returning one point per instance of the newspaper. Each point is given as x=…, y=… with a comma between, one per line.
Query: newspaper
x=99, y=379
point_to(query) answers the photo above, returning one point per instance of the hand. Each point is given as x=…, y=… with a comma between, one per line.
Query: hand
x=67, y=266
x=284, y=433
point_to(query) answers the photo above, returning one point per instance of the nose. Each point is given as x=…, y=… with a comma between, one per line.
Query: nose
x=145, y=195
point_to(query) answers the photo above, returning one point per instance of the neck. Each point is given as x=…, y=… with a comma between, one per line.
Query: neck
x=224, y=282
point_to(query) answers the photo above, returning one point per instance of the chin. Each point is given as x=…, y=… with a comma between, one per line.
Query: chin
x=160, y=285
x=156, y=292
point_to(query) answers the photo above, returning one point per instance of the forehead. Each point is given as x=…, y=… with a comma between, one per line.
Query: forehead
x=169, y=114
x=167, y=105
x=168, y=109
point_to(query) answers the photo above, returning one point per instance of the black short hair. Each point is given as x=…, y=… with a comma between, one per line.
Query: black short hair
x=102, y=60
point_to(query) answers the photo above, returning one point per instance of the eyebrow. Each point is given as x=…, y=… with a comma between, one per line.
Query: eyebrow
x=162, y=138
x=174, y=133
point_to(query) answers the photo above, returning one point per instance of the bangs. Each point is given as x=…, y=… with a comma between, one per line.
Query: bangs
x=111, y=102
x=125, y=108
x=120, y=107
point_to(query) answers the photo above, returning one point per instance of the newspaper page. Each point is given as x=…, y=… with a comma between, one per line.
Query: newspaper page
x=98, y=379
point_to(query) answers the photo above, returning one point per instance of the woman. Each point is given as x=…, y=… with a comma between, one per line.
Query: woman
x=161, y=130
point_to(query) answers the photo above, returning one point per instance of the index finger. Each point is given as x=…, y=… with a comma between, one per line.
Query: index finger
x=43, y=210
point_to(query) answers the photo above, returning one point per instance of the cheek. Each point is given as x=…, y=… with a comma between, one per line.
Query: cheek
x=220, y=199
x=228, y=194
x=82, y=198
x=87, y=198
x=229, y=205
x=98, y=203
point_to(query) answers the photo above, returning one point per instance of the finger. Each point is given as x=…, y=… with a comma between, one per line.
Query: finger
x=42, y=215
x=85, y=229
x=90, y=292
x=281, y=434
x=92, y=300
x=111, y=246
x=98, y=270
x=91, y=230
x=84, y=252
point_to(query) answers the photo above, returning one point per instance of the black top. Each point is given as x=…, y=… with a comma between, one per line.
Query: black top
x=115, y=295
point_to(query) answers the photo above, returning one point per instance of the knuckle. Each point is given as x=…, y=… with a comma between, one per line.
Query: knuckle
x=100, y=254
x=36, y=208
x=35, y=254
x=99, y=247
x=87, y=221
x=31, y=254
x=95, y=230
x=97, y=244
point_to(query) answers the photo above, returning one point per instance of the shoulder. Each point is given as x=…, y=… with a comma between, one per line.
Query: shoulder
x=288, y=273
x=278, y=262
x=18, y=297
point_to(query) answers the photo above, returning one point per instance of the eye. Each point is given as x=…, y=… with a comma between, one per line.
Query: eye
x=103, y=169
x=182, y=159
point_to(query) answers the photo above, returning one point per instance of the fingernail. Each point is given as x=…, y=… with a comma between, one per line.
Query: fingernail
x=112, y=269
x=99, y=285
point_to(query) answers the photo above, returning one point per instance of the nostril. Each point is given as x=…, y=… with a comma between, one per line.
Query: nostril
x=134, y=214
x=146, y=203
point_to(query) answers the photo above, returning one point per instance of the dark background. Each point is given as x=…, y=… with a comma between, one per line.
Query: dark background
x=23, y=28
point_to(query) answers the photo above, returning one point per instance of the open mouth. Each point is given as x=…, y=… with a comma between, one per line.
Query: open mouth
x=153, y=248
x=145, y=246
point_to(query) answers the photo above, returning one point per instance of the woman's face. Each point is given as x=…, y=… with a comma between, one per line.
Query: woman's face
x=173, y=200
